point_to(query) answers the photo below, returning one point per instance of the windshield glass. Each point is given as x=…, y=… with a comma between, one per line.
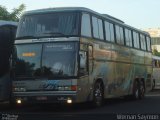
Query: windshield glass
x=28, y=60
x=59, y=59
x=48, y=60
x=48, y=25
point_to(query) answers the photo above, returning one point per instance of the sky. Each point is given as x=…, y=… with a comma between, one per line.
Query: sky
x=140, y=14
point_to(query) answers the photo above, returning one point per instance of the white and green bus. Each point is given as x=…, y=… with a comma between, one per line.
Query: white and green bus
x=74, y=54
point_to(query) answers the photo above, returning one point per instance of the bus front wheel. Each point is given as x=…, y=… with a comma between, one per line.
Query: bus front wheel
x=98, y=94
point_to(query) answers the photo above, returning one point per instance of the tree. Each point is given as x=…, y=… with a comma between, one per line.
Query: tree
x=155, y=52
x=11, y=16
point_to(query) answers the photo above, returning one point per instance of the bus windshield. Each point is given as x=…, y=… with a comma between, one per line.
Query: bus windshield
x=55, y=60
x=48, y=25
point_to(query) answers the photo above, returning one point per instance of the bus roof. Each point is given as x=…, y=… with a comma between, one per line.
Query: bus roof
x=63, y=9
x=3, y=22
x=83, y=9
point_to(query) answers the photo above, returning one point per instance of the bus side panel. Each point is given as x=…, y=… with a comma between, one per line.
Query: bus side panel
x=149, y=72
x=122, y=60
x=118, y=67
x=104, y=67
x=140, y=69
x=83, y=90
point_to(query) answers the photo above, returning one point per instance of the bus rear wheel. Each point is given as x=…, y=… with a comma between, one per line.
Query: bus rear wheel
x=142, y=90
x=139, y=90
x=98, y=94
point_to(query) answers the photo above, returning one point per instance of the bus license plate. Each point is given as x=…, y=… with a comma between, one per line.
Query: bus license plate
x=41, y=98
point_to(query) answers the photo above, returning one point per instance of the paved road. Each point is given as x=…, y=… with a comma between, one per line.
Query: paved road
x=112, y=107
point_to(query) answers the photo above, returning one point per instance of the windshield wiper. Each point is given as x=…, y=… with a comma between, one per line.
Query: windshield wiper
x=27, y=37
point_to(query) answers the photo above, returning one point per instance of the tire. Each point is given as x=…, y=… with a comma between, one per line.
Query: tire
x=136, y=90
x=139, y=90
x=142, y=90
x=153, y=84
x=98, y=94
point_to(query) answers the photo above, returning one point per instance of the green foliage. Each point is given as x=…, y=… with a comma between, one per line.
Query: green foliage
x=155, y=52
x=11, y=16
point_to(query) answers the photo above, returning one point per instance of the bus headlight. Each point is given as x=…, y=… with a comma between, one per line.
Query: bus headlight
x=69, y=101
x=18, y=101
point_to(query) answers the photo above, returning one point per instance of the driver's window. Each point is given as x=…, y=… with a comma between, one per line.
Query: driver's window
x=83, y=62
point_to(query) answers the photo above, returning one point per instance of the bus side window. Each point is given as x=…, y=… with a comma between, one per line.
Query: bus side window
x=128, y=37
x=119, y=35
x=86, y=25
x=149, y=43
x=136, y=40
x=97, y=28
x=109, y=31
x=143, y=42
x=83, y=62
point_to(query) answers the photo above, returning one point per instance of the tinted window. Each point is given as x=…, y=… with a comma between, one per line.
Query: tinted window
x=143, y=42
x=86, y=25
x=136, y=40
x=53, y=59
x=49, y=63
x=97, y=28
x=47, y=25
x=130, y=37
x=28, y=60
x=83, y=63
x=119, y=35
x=127, y=37
x=109, y=31
x=122, y=35
x=112, y=32
x=100, y=27
x=148, y=43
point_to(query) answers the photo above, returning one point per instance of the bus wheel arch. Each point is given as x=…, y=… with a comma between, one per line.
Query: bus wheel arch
x=98, y=93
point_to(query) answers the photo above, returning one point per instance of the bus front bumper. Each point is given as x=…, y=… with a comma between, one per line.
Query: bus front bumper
x=45, y=97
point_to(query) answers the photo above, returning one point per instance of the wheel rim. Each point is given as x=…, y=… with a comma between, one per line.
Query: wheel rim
x=136, y=93
x=142, y=90
x=139, y=90
x=98, y=94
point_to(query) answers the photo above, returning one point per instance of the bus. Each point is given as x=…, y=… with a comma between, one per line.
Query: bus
x=74, y=55
x=7, y=36
x=156, y=72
